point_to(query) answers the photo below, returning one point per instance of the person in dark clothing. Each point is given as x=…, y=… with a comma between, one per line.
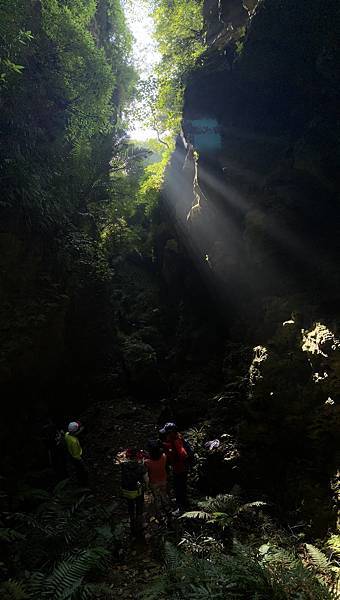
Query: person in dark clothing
x=134, y=478
x=178, y=459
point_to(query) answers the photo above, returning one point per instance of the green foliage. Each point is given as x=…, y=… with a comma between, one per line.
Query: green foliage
x=135, y=182
x=13, y=37
x=152, y=180
x=210, y=568
x=66, y=579
x=200, y=544
x=13, y=590
x=62, y=545
x=178, y=31
x=318, y=558
x=62, y=102
x=333, y=544
x=222, y=510
x=197, y=436
x=241, y=574
x=123, y=226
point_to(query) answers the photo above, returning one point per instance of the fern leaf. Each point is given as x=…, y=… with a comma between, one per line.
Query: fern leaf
x=173, y=557
x=278, y=556
x=250, y=505
x=227, y=503
x=319, y=559
x=68, y=575
x=196, y=514
x=222, y=519
x=334, y=544
x=36, y=585
x=34, y=523
x=13, y=590
x=69, y=592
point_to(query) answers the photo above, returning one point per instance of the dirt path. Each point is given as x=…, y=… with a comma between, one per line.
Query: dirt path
x=119, y=424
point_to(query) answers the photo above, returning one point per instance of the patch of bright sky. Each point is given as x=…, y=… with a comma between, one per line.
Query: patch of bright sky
x=145, y=53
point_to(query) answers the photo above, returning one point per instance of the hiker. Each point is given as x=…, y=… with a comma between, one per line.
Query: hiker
x=134, y=478
x=75, y=451
x=178, y=459
x=157, y=472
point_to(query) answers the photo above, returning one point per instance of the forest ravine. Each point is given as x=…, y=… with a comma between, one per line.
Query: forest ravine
x=189, y=278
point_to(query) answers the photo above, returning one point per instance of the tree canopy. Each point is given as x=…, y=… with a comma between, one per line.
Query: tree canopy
x=179, y=33
x=66, y=75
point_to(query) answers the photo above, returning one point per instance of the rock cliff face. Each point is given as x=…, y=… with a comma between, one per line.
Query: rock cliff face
x=256, y=222
x=55, y=320
x=262, y=218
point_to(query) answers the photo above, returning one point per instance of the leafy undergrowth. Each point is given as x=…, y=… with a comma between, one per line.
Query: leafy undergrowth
x=238, y=552
x=71, y=543
x=74, y=543
x=60, y=549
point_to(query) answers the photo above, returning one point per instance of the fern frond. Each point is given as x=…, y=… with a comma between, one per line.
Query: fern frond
x=222, y=519
x=334, y=544
x=35, y=585
x=69, y=592
x=173, y=557
x=251, y=505
x=59, y=522
x=227, y=503
x=68, y=575
x=319, y=560
x=34, y=523
x=10, y=535
x=13, y=590
x=279, y=556
x=196, y=514
x=238, y=575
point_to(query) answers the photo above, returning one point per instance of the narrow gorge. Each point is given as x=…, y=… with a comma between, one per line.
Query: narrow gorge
x=190, y=277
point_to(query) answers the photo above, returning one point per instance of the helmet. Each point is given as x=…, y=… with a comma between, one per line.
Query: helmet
x=168, y=427
x=73, y=427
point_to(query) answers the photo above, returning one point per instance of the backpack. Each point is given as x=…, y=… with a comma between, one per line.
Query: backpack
x=132, y=476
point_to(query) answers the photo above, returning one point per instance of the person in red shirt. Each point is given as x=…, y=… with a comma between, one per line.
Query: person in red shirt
x=178, y=459
x=156, y=466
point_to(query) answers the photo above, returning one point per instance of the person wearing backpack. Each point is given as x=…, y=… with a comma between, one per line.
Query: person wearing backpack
x=177, y=456
x=75, y=452
x=133, y=478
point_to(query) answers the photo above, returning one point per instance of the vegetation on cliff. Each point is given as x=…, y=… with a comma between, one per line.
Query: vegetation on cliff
x=179, y=33
x=66, y=169
x=204, y=287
